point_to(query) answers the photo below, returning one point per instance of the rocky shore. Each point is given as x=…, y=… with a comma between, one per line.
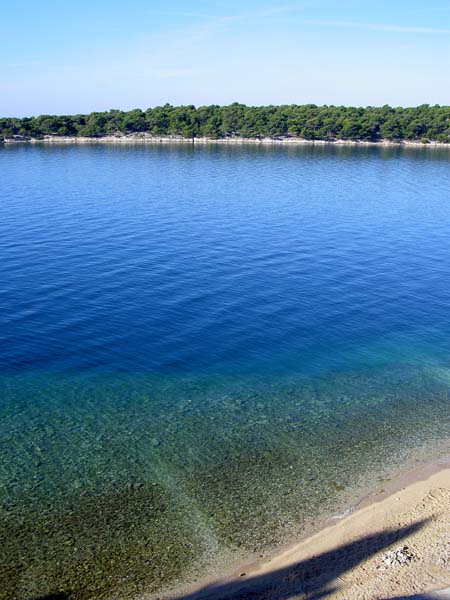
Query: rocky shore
x=145, y=138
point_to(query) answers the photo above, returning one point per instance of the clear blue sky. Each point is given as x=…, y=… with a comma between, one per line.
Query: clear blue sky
x=68, y=57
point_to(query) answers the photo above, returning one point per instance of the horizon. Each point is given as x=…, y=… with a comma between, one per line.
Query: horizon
x=78, y=59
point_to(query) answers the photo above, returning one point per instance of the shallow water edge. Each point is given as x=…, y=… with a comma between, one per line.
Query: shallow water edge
x=124, y=485
x=411, y=510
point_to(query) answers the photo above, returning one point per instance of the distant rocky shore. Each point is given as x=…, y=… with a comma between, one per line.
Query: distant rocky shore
x=139, y=138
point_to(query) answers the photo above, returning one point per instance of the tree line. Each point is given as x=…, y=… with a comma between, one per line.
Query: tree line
x=311, y=122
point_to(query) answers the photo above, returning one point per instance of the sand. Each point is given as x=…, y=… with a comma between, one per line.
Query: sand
x=396, y=544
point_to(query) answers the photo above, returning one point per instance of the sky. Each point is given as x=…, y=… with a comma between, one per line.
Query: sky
x=66, y=57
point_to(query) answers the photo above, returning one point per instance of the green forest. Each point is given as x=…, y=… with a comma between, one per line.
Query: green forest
x=422, y=123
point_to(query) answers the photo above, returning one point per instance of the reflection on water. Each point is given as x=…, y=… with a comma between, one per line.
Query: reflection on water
x=204, y=349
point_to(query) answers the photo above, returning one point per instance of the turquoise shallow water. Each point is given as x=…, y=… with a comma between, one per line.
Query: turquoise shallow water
x=204, y=349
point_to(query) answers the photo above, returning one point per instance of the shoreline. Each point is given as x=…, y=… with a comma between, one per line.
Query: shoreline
x=267, y=141
x=357, y=554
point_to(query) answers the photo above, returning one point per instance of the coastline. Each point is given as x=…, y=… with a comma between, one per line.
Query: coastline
x=393, y=543
x=142, y=138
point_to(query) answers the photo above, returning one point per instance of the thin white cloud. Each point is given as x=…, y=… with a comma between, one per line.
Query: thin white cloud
x=379, y=27
x=193, y=15
x=270, y=11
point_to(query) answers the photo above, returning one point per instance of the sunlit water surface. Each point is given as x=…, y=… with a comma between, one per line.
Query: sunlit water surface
x=204, y=349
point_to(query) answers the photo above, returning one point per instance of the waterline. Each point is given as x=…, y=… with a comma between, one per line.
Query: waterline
x=177, y=473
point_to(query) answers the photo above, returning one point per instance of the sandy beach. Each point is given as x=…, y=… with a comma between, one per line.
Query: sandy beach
x=396, y=544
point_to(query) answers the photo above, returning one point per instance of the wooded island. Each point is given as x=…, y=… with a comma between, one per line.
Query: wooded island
x=372, y=124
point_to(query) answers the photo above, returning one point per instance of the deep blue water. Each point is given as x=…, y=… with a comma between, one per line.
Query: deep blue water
x=215, y=344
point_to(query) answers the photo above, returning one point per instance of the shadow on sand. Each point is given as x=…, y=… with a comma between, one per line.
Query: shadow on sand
x=440, y=595
x=310, y=579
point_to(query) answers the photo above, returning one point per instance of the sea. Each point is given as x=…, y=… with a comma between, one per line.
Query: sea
x=206, y=350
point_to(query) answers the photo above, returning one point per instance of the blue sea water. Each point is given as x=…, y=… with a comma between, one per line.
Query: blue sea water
x=202, y=349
